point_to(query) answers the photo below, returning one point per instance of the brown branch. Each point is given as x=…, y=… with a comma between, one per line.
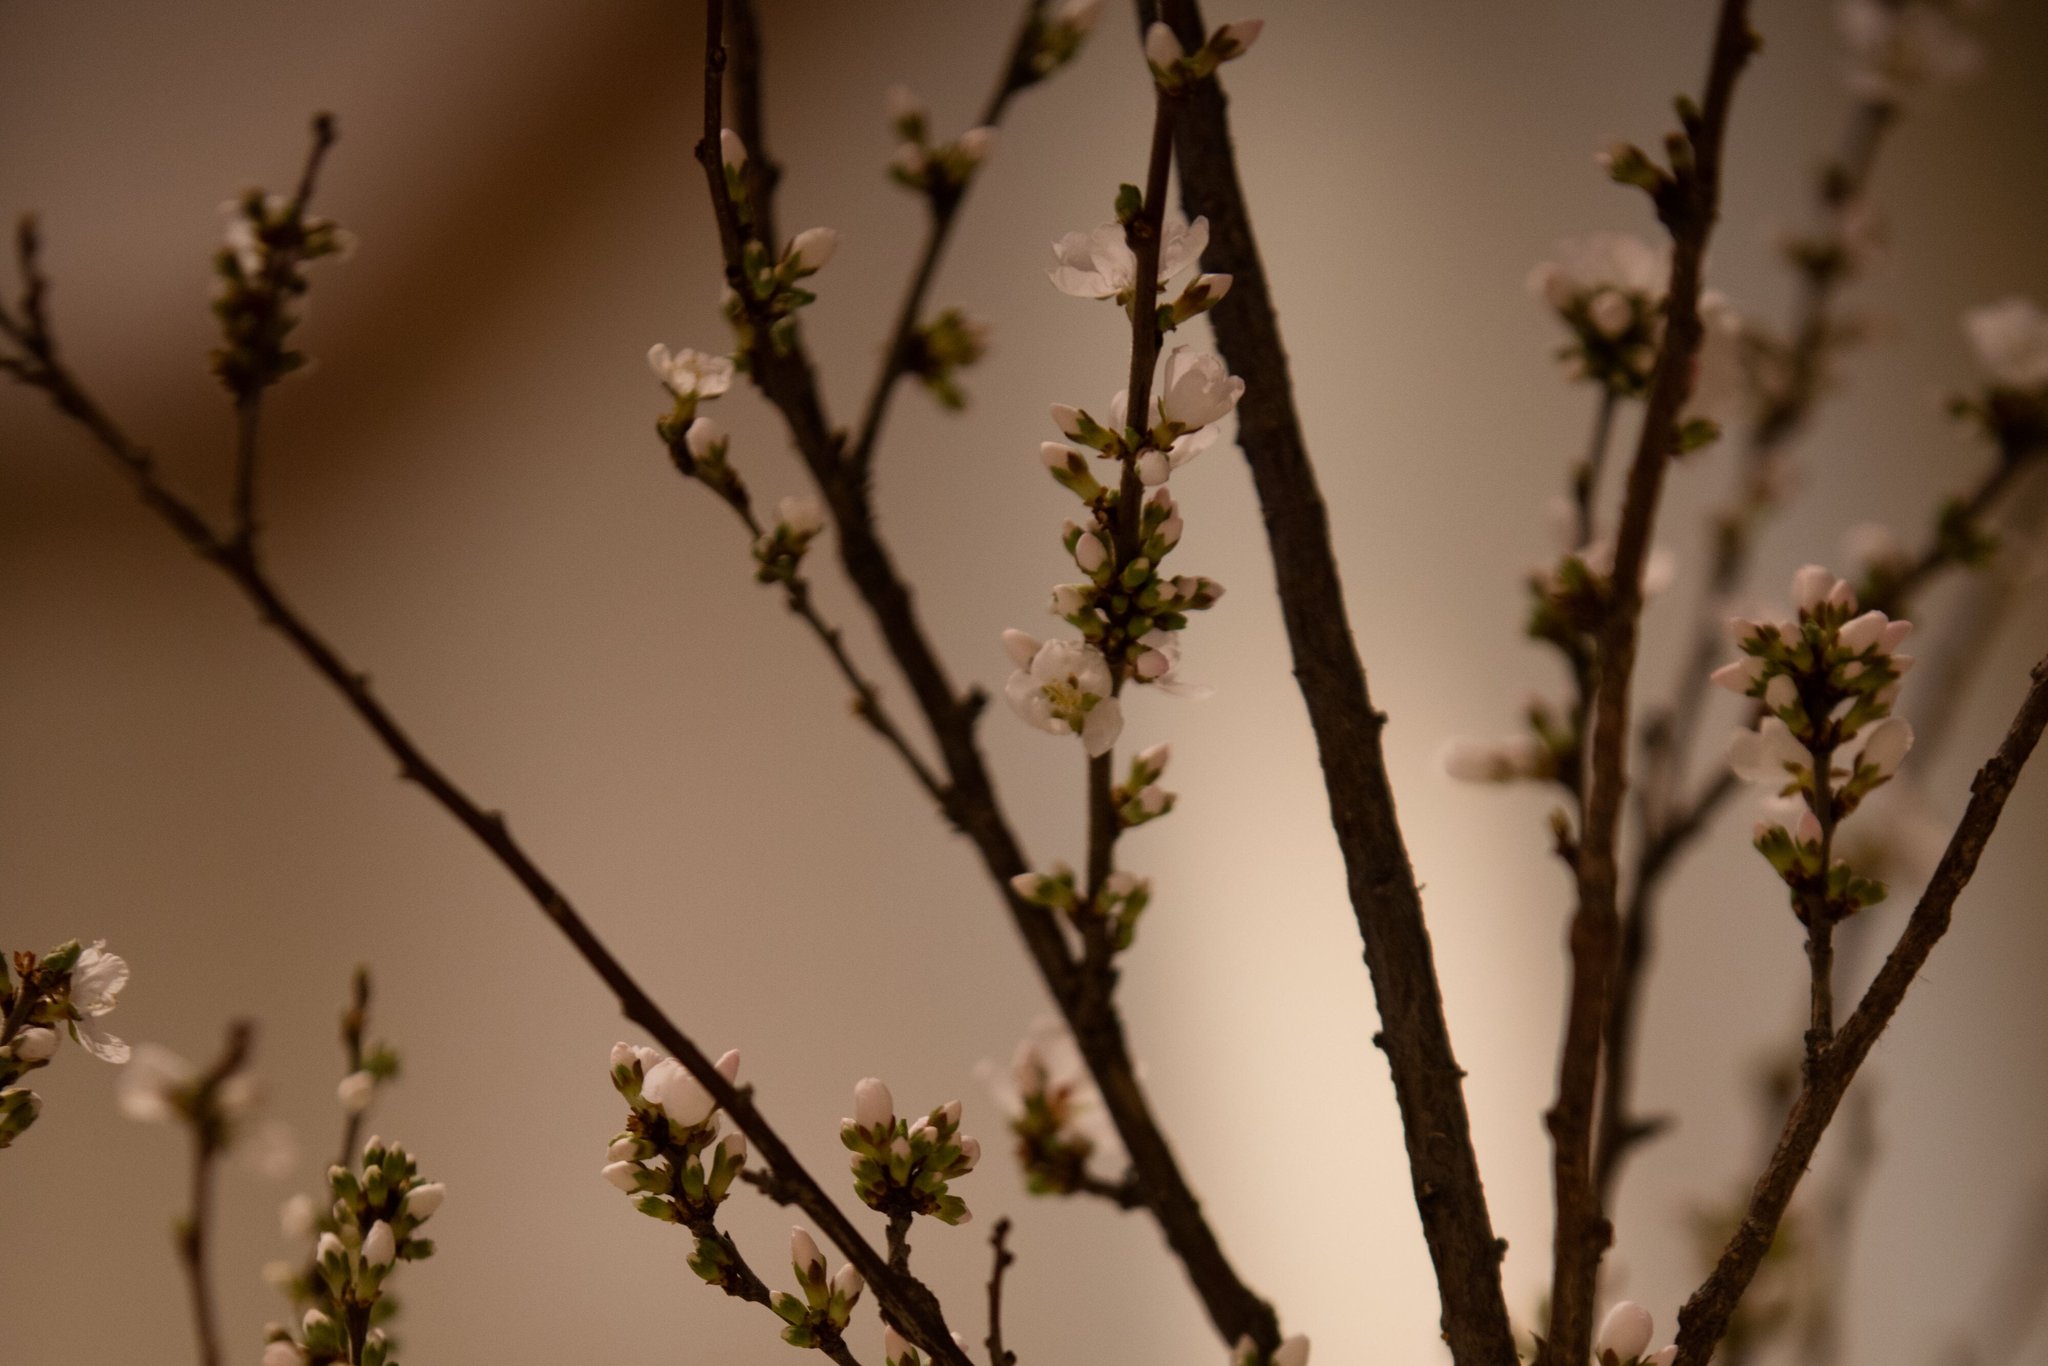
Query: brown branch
x=945, y=211
x=784, y=376
x=354, y=1020
x=1428, y=1083
x=209, y=1137
x=1689, y=205
x=1704, y=1319
x=998, y=1241
x=906, y=1299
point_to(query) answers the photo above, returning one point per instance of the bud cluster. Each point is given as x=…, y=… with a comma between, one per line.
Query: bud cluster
x=1053, y=38
x=370, y=1225
x=2011, y=341
x=1175, y=68
x=938, y=350
x=1609, y=291
x=778, y=552
x=1826, y=682
x=818, y=1317
x=1056, y=1113
x=68, y=989
x=669, y=1157
x=769, y=276
x=901, y=1167
x=261, y=276
x=939, y=171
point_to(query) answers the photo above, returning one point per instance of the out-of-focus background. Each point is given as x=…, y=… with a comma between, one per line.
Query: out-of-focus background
x=468, y=495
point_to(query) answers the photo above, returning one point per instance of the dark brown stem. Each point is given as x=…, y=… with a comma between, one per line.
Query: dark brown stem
x=1689, y=207
x=899, y=1241
x=354, y=1021
x=785, y=378
x=998, y=1241
x=1428, y=1083
x=1586, y=477
x=209, y=1136
x=945, y=211
x=1704, y=1319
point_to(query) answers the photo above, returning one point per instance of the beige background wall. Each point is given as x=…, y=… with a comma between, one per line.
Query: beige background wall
x=468, y=495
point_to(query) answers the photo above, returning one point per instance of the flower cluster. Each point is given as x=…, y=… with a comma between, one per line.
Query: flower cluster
x=669, y=1157
x=770, y=278
x=1291, y=1352
x=821, y=1314
x=939, y=171
x=938, y=350
x=70, y=988
x=1054, y=38
x=778, y=552
x=2010, y=338
x=690, y=377
x=1099, y=263
x=1174, y=67
x=1624, y=1338
x=261, y=277
x=1055, y=1110
x=369, y=1227
x=901, y=1167
x=1827, y=737
x=219, y=1106
x=1900, y=47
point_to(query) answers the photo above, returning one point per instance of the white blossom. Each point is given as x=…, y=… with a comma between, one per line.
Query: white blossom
x=96, y=979
x=2011, y=340
x=355, y=1092
x=282, y=1352
x=847, y=1283
x=801, y=515
x=422, y=1201
x=1625, y=1332
x=681, y=1096
x=1099, y=263
x=1048, y=1062
x=34, y=1044
x=1770, y=754
x=1065, y=689
x=873, y=1106
x=624, y=1175
x=811, y=249
x=148, y=1085
x=297, y=1217
x=1231, y=41
x=1292, y=1352
x=1162, y=49
x=805, y=1257
x=731, y=150
x=975, y=144
x=1155, y=466
x=1608, y=261
x=1196, y=389
x=1899, y=46
x=1885, y=745
x=380, y=1245
x=689, y=373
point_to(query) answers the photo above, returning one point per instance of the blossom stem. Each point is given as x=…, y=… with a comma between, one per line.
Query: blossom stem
x=1704, y=1319
x=1582, y=1230
x=1003, y=1258
x=194, y=1228
x=354, y=1020
x=897, y=352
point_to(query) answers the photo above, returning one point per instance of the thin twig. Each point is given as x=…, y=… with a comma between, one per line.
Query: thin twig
x=1705, y=1316
x=784, y=376
x=1689, y=206
x=998, y=1240
x=354, y=1021
x=1428, y=1083
x=209, y=1136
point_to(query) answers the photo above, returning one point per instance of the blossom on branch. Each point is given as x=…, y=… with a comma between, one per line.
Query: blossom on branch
x=1064, y=687
x=1099, y=263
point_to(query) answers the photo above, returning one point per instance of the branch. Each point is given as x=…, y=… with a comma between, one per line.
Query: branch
x=999, y=1241
x=208, y=1138
x=784, y=376
x=1689, y=205
x=907, y=1300
x=1428, y=1083
x=1704, y=1319
x=354, y=1021
x=897, y=352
